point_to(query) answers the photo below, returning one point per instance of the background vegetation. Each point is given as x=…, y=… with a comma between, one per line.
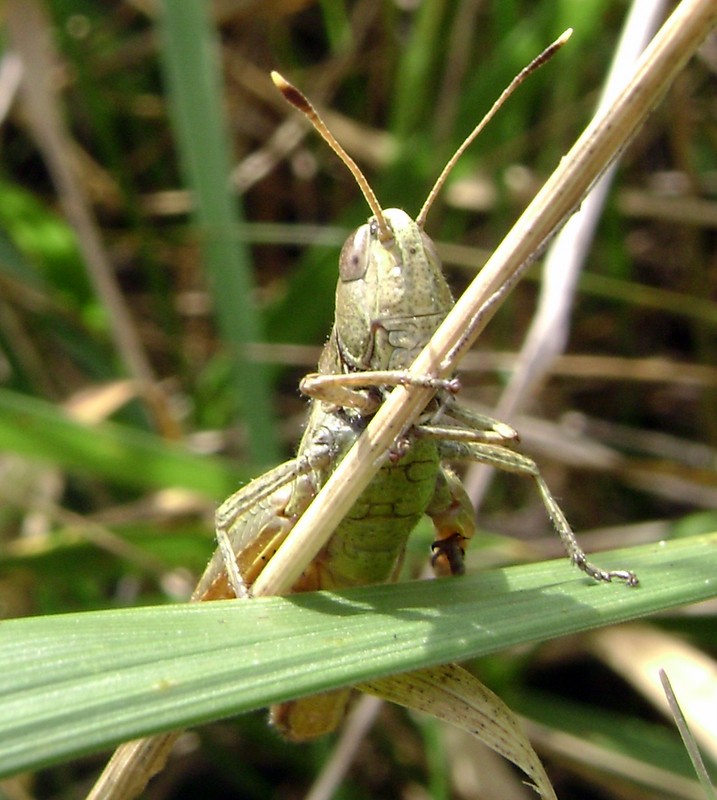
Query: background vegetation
x=150, y=348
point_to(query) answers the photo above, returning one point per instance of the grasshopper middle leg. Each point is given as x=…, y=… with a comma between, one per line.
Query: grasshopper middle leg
x=503, y=458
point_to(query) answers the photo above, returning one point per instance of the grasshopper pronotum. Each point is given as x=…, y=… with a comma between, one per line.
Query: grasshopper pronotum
x=391, y=296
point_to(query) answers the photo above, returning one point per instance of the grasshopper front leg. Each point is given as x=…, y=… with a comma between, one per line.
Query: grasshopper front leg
x=353, y=389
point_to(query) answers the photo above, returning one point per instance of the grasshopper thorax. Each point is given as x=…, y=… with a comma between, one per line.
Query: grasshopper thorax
x=391, y=295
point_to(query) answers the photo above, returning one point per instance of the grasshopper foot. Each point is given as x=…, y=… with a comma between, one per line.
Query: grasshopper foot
x=581, y=562
x=448, y=555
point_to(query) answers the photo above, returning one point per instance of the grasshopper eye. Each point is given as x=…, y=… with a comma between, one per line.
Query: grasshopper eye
x=353, y=260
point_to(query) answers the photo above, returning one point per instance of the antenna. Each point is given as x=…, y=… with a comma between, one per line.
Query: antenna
x=537, y=62
x=298, y=100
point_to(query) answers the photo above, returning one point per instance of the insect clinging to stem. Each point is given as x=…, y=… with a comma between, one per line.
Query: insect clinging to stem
x=391, y=296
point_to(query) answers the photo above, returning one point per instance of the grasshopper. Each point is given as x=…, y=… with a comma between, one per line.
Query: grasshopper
x=390, y=298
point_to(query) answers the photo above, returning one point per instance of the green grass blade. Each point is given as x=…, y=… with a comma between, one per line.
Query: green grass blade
x=39, y=430
x=72, y=684
x=414, y=72
x=622, y=740
x=337, y=24
x=688, y=738
x=191, y=56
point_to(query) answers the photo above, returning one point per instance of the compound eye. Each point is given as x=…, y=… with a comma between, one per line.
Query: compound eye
x=353, y=261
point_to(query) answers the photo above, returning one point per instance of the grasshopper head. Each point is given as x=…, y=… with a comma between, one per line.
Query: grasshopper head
x=391, y=295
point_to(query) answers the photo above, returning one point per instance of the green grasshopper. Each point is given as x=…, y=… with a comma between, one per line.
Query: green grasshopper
x=390, y=298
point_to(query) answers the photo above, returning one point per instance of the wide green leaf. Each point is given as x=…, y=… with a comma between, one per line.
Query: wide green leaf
x=71, y=684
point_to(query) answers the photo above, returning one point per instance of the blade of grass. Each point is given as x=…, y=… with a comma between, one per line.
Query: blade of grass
x=415, y=68
x=688, y=739
x=38, y=430
x=191, y=56
x=77, y=683
x=619, y=746
x=336, y=21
